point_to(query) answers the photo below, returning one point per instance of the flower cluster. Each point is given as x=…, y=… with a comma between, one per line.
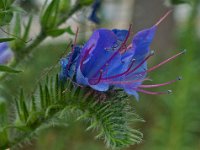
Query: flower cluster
x=107, y=61
x=5, y=53
x=95, y=7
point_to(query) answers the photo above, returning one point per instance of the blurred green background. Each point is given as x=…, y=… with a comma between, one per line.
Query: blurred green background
x=172, y=121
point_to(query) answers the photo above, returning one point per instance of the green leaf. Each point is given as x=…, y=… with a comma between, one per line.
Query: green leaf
x=17, y=28
x=6, y=14
x=175, y=2
x=58, y=32
x=64, y=6
x=85, y=2
x=6, y=39
x=7, y=69
x=3, y=122
x=5, y=4
x=17, y=9
x=5, y=17
x=3, y=112
x=27, y=29
x=49, y=18
x=23, y=106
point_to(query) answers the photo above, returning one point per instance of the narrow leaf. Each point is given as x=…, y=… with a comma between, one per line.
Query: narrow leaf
x=3, y=123
x=58, y=32
x=27, y=28
x=23, y=106
x=7, y=69
x=48, y=20
x=6, y=39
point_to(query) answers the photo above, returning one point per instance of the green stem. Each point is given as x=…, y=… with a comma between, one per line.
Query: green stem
x=40, y=38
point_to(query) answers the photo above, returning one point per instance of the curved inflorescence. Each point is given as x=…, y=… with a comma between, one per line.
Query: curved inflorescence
x=106, y=60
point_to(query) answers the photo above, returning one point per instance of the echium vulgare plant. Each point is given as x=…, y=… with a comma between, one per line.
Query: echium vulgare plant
x=106, y=62
x=93, y=85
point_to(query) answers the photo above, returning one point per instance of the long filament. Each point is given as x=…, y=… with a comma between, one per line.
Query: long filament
x=118, y=75
x=158, y=85
x=160, y=64
x=74, y=45
x=152, y=93
x=140, y=64
x=126, y=82
x=166, y=61
x=163, y=18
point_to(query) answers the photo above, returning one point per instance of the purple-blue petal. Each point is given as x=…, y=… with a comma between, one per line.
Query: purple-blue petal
x=141, y=42
x=95, y=7
x=3, y=47
x=6, y=53
x=121, y=34
x=84, y=81
x=102, y=40
x=132, y=92
x=68, y=69
x=80, y=79
x=100, y=87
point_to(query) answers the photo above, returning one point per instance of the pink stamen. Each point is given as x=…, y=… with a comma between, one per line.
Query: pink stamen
x=138, y=66
x=160, y=64
x=163, y=18
x=158, y=85
x=124, y=42
x=127, y=82
x=166, y=61
x=128, y=70
x=118, y=75
x=123, y=49
x=70, y=59
x=152, y=93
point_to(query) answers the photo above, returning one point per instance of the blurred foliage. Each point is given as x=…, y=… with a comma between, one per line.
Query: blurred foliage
x=6, y=12
x=176, y=121
x=175, y=2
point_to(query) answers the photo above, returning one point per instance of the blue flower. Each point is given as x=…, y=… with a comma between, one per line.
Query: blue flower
x=5, y=53
x=68, y=69
x=95, y=7
x=107, y=61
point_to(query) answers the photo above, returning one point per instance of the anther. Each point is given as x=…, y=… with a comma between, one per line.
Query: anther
x=163, y=18
x=169, y=91
x=150, y=92
x=179, y=78
x=166, y=61
x=152, y=52
x=184, y=51
x=140, y=64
